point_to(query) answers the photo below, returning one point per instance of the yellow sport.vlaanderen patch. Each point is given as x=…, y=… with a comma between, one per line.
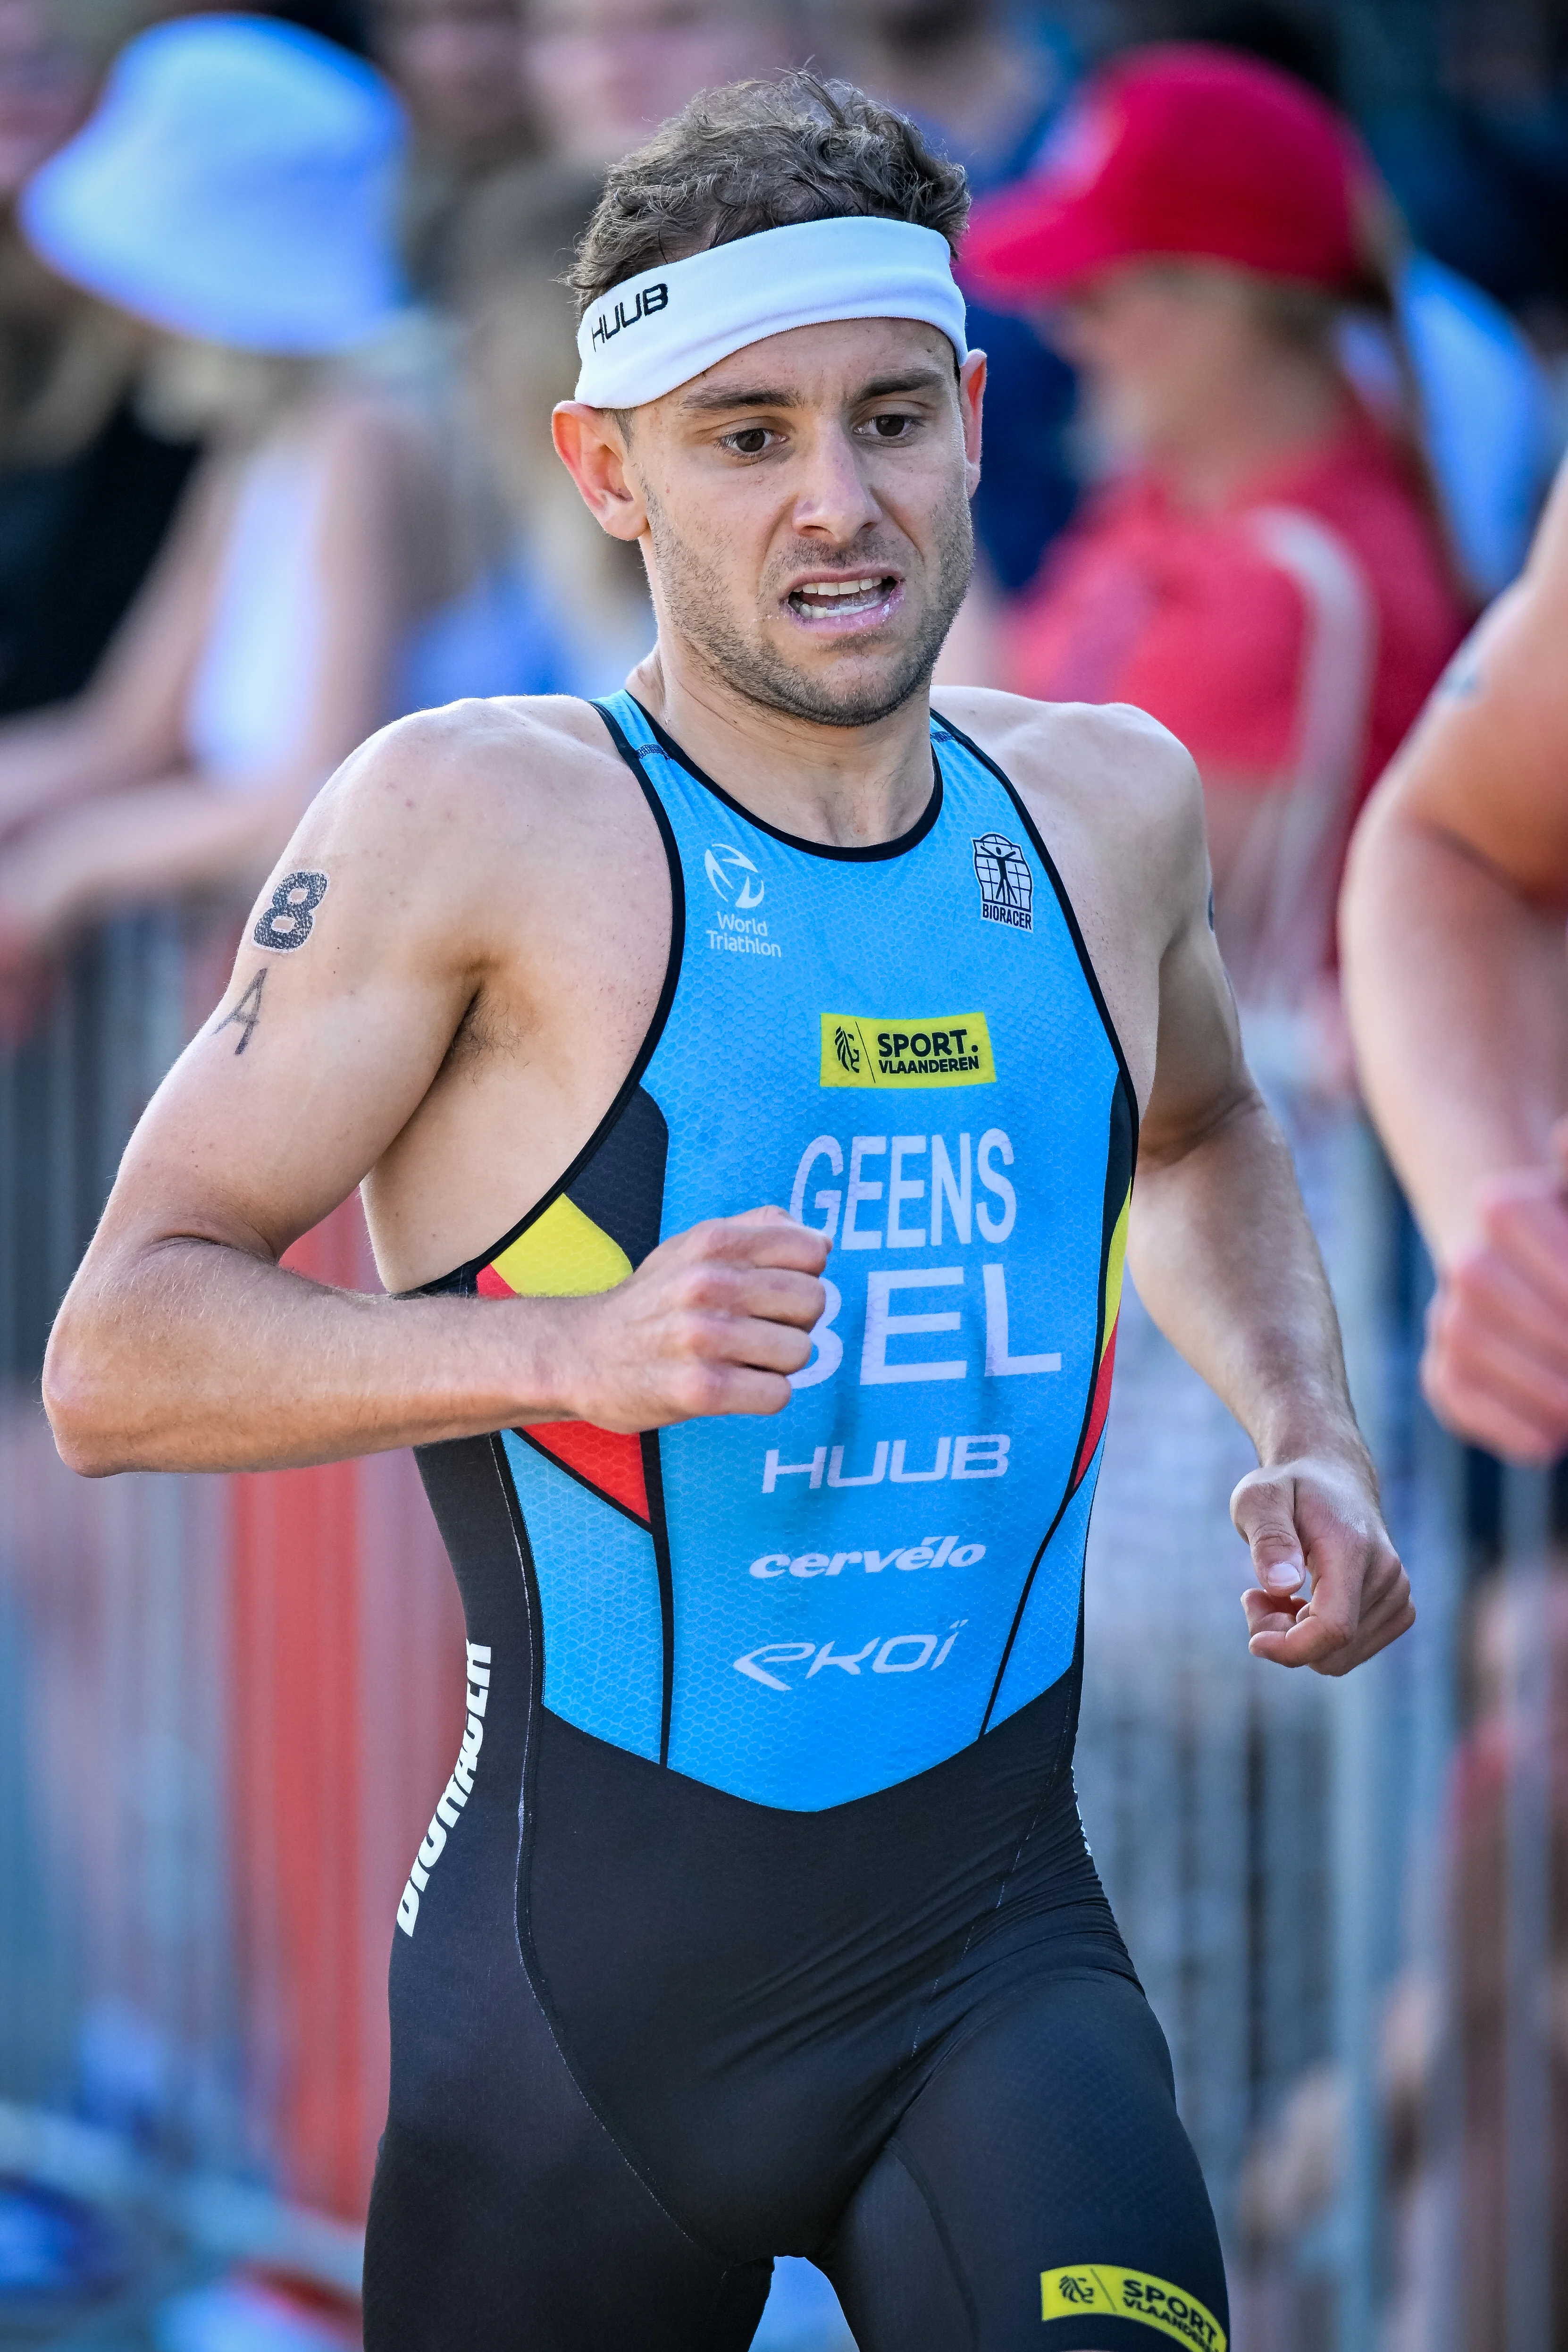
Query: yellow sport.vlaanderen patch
x=1129, y=2294
x=930, y=1049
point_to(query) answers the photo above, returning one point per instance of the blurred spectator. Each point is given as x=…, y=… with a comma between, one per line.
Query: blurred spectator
x=87, y=489
x=1443, y=2057
x=233, y=192
x=1306, y=48
x=1507, y=1616
x=1265, y=574
x=1485, y=397
x=985, y=83
x=554, y=606
x=342, y=21
x=608, y=72
x=1479, y=157
x=989, y=78
x=459, y=67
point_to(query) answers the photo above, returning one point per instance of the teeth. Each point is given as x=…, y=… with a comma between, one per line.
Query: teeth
x=837, y=588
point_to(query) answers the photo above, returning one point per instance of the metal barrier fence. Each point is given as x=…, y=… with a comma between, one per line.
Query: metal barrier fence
x=226, y=1705
x=224, y=1702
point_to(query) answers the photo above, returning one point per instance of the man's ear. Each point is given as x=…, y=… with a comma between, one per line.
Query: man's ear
x=971, y=403
x=591, y=445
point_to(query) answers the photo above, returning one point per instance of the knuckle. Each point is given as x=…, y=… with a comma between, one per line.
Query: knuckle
x=702, y=1287
x=697, y=1388
x=691, y=1332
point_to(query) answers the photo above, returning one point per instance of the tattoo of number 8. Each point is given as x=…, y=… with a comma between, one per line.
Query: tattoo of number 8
x=288, y=921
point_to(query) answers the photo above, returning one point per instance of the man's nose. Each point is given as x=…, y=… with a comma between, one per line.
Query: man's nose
x=834, y=500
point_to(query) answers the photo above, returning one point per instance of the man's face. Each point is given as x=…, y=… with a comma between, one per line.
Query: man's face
x=1153, y=338
x=45, y=91
x=460, y=66
x=807, y=507
x=608, y=72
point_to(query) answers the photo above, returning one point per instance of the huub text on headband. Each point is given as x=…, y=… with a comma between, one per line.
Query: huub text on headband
x=666, y=325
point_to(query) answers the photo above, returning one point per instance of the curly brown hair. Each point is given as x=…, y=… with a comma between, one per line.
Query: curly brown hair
x=758, y=155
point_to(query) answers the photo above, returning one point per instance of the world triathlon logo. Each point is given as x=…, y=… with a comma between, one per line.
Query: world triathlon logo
x=1006, y=884
x=734, y=875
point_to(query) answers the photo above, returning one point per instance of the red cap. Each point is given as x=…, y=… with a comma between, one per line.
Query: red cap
x=1180, y=149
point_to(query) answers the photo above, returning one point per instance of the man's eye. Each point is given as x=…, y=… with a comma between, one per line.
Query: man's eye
x=893, y=429
x=748, y=443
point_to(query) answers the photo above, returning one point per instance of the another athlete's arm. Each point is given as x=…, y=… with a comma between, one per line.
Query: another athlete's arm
x=119, y=815
x=183, y=1345
x=1458, y=993
x=1225, y=1260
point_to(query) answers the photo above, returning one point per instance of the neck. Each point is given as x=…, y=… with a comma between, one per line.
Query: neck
x=847, y=787
x=1249, y=422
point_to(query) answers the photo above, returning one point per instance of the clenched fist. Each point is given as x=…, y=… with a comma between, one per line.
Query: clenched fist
x=713, y=1321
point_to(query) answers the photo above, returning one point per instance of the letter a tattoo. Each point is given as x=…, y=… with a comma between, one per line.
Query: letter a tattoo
x=248, y=1011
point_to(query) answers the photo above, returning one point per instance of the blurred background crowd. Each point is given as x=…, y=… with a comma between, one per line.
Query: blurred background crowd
x=1276, y=298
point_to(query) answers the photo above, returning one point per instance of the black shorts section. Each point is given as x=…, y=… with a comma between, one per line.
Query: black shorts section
x=646, y=2035
x=503, y=2217
x=1048, y=2137
x=751, y=1995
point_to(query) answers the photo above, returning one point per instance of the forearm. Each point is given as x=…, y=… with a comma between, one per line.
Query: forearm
x=1456, y=989
x=178, y=1353
x=195, y=1356
x=53, y=760
x=154, y=841
x=1226, y=1262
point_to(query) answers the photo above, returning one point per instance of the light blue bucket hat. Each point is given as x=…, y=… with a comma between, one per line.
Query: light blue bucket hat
x=237, y=183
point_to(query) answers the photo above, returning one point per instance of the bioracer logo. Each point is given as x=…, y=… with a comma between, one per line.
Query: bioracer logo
x=935, y=1049
x=610, y=322
x=1007, y=883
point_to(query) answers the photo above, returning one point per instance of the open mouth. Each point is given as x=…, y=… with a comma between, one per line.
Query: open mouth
x=843, y=598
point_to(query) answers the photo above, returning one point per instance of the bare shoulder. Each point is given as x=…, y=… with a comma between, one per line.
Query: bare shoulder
x=1547, y=570
x=462, y=817
x=1104, y=775
x=1486, y=765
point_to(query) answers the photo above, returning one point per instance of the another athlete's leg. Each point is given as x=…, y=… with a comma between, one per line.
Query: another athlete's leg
x=1038, y=2192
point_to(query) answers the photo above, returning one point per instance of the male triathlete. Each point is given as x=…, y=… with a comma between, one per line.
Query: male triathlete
x=1457, y=990
x=756, y=1916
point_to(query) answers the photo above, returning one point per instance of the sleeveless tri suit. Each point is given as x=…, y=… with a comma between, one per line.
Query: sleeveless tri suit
x=757, y=1917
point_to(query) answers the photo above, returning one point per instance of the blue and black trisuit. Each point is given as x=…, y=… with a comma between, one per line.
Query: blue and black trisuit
x=757, y=1917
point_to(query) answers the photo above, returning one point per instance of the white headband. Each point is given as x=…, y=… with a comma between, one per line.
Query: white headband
x=666, y=325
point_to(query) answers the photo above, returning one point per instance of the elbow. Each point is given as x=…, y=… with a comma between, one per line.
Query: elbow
x=85, y=1407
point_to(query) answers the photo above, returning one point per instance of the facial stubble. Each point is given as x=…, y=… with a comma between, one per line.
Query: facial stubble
x=700, y=607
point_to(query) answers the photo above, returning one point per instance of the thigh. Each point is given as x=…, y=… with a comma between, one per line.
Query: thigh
x=1041, y=2175
x=505, y=2216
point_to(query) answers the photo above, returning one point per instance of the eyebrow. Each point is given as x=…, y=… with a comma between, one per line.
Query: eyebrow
x=884, y=388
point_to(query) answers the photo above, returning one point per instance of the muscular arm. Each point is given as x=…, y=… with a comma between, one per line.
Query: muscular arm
x=1219, y=1241
x=184, y=1345
x=1223, y=1255
x=1458, y=993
